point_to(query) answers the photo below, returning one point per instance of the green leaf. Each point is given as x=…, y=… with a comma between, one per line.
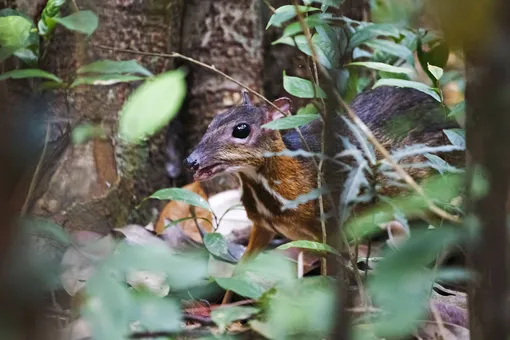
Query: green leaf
x=392, y=48
x=224, y=316
x=370, y=32
x=29, y=73
x=440, y=164
x=457, y=137
x=181, y=195
x=115, y=67
x=410, y=84
x=85, y=22
x=84, y=132
x=251, y=279
x=458, y=110
x=382, y=67
x=399, y=12
x=14, y=32
x=311, y=21
x=47, y=23
x=304, y=307
x=152, y=106
x=156, y=313
x=317, y=246
x=105, y=80
x=286, y=13
x=405, y=268
x=218, y=246
x=309, y=109
x=291, y=122
x=437, y=72
x=302, y=88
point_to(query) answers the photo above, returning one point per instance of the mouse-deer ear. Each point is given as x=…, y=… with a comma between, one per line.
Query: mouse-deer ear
x=246, y=97
x=283, y=104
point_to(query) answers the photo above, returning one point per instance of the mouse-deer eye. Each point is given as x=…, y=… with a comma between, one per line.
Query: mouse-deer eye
x=241, y=131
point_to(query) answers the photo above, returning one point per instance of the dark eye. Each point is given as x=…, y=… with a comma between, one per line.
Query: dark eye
x=241, y=131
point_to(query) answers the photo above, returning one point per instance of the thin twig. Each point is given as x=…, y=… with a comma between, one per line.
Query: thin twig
x=33, y=183
x=268, y=4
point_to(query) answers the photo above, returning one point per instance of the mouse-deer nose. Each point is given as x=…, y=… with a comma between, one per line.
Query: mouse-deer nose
x=191, y=164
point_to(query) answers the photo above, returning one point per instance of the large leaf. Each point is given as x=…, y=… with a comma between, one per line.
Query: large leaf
x=410, y=84
x=291, y=122
x=83, y=21
x=113, y=67
x=321, y=247
x=30, y=73
x=286, y=13
x=182, y=195
x=370, y=32
x=14, y=31
x=302, y=88
x=152, y=106
x=224, y=316
x=382, y=67
x=406, y=268
x=105, y=79
x=25, y=49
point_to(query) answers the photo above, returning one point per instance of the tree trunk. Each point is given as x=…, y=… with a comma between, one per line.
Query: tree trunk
x=228, y=35
x=95, y=186
x=488, y=127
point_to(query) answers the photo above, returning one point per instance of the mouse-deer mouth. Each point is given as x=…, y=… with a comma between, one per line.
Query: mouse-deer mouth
x=209, y=171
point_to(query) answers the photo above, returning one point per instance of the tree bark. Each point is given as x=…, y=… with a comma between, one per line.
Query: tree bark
x=95, y=186
x=488, y=127
x=228, y=35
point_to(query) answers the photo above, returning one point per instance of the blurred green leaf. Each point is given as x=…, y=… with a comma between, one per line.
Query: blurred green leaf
x=158, y=314
x=410, y=84
x=302, y=88
x=458, y=110
x=286, y=13
x=317, y=246
x=406, y=268
x=152, y=106
x=398, y=12
x=371, y=32
x=224, y=316
x=302, y=309
x=182, y=195
x=84, y=132
x=115, y=67
x=382, y=67
x=252, y=278
x=29, y=73
x=291, y=122
x=85, y=22
x=105, y=79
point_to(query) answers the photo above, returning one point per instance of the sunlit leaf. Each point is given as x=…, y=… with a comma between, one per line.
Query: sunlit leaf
x=152, y=106
x=321, y=247
x=29, y=73
x=291, y=122
x=382, y=67
x=286, y=13
x=83, y=21
x=182, y=195
x=47, y=23
x=302, y=88
x=437, y=72
x=224, y=316
x=457, y=137
x=409, y=84
x=105, y=79
x=115, y=67
x=309, y=109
